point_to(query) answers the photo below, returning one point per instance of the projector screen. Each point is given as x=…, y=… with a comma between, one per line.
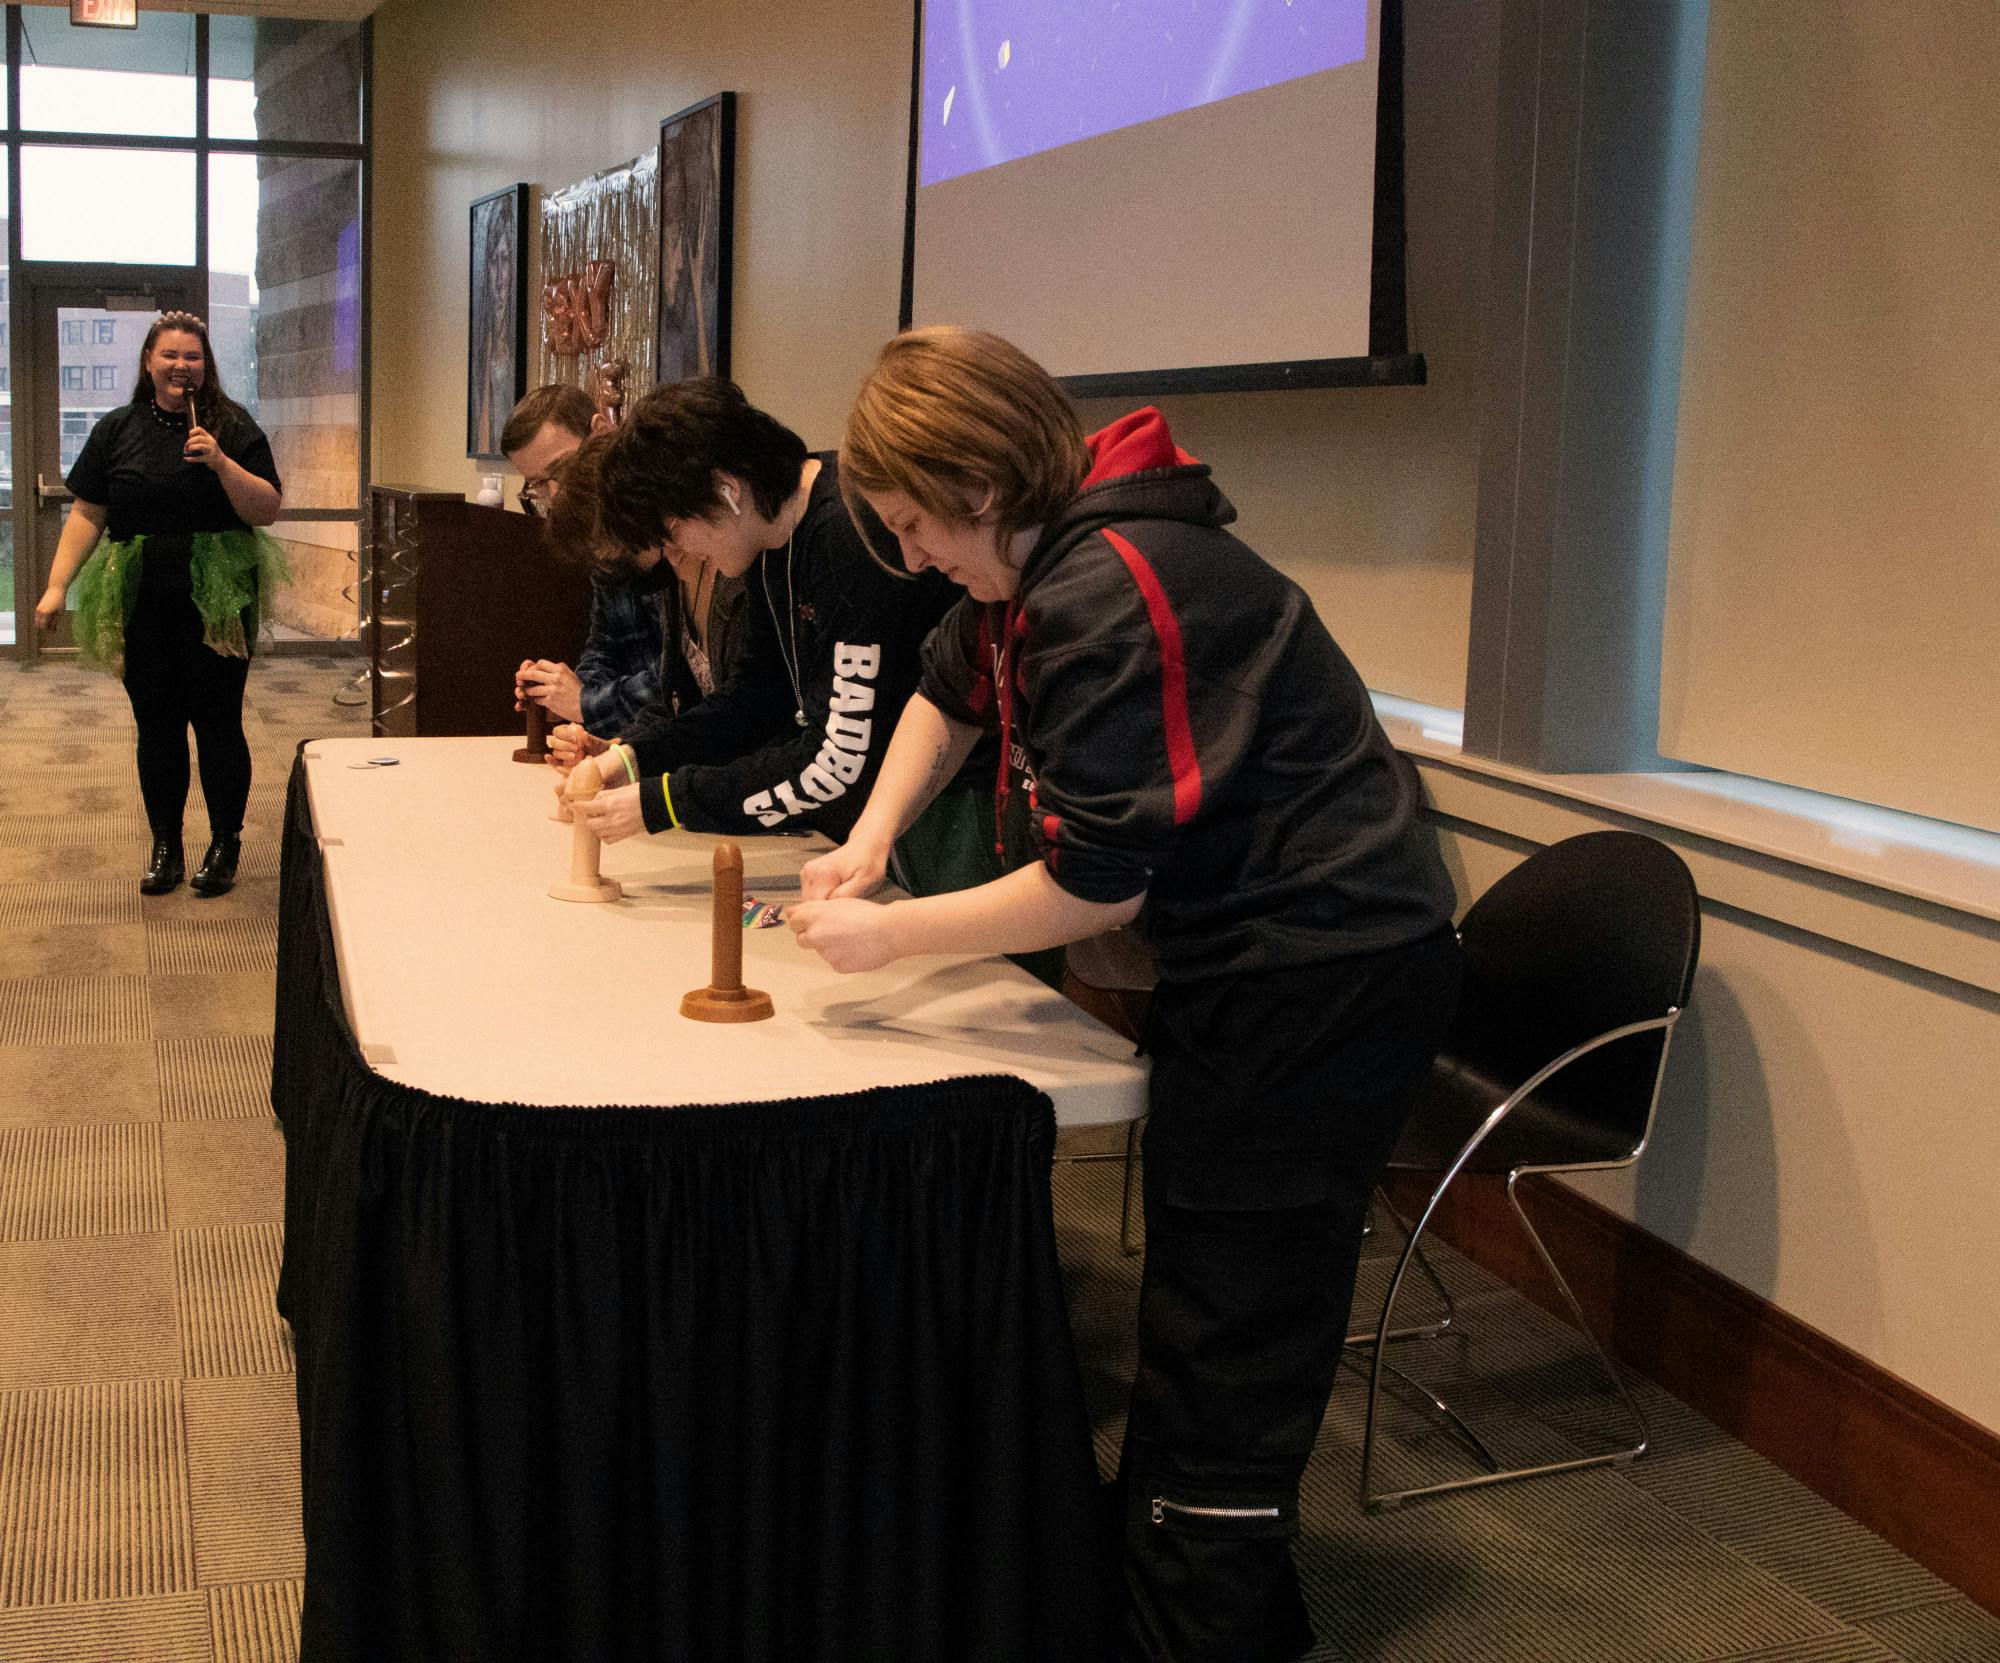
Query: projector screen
x=1151, y=193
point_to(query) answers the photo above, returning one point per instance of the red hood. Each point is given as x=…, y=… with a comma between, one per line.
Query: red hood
x=1133, y=444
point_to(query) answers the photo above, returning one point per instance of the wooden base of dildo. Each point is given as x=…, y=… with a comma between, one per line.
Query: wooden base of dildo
x=585, y=883
x=537, y=747
x=726, y=999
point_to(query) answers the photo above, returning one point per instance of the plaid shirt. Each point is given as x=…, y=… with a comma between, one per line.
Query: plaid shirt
x=620, y=663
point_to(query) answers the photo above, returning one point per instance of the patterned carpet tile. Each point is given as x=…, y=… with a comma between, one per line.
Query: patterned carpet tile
x=217, y=1077
x=1847, y=1647
x=126, y=826
x=228, y=1287
x=222, y=1172
x=1723, y=1488
x=256, y=1622
x=50, y=1084
x=213, y=1003
x=98, y=901
x=175, y=1629
x=196, y=945
x=1948, y=1631
x=74, y=1010
x=81, y=1180
x=94, y=1498
x=243, y=1467
x=83, y=1309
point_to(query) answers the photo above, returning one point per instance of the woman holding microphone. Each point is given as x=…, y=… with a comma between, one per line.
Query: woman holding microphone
x=172, y=580
x=1199, y=757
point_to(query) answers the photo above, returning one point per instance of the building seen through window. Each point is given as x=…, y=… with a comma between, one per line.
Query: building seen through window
x=276, y=268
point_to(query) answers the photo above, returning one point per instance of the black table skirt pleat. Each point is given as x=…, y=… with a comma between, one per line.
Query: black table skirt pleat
x=785, y=1381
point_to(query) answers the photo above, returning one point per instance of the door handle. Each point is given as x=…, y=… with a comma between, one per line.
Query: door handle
x=51, y=493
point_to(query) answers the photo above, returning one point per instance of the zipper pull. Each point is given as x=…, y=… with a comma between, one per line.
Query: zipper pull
x=1159, y=1510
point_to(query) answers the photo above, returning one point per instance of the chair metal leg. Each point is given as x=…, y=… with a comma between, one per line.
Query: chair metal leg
x=1375, y=1500
x=1350, y=1357
x=1125, y=1243
x=1419, y=1330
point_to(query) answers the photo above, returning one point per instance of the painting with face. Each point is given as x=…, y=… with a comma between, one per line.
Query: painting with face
x=697, y=180
x=496, y=361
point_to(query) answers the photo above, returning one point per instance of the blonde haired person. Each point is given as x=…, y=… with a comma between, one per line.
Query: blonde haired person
x=1196, y=755
x=173, y=581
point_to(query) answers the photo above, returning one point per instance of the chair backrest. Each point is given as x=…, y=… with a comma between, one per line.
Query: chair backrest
x=1587, y=935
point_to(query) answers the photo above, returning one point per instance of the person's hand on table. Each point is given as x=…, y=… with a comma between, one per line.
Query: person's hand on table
x=571, y=743
x=553, y=686
x=612, y=815
x=854, y=869
x=850, y=935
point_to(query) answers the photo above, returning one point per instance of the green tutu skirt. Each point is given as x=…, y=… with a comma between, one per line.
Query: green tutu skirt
x=229, y=571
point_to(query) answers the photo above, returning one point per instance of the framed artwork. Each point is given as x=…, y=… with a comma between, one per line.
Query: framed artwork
x=697, y=213
x=496, y=363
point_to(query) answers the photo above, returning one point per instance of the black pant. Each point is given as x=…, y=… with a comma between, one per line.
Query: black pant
x=1275, y=1102
x=175, y=682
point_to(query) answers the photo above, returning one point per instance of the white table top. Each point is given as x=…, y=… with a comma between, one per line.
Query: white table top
x=462, y=977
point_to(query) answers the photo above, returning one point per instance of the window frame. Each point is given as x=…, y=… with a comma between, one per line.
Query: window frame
x=15, y=296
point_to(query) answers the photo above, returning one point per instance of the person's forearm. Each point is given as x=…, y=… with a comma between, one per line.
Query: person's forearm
x=255, y=500
x=1023, y=912
x=925, y=751
x=80, y=533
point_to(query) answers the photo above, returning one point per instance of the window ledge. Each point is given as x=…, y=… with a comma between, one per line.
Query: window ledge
x=1921, y=891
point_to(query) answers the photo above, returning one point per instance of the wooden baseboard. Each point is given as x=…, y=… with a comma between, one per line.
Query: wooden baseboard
x=1913, y=1470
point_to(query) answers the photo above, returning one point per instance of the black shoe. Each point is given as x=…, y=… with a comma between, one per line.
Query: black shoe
x=167, y=866
x=218, y=867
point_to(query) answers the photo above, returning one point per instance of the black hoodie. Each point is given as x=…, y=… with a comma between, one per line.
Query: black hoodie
x=794, y=739
x=1185, y=728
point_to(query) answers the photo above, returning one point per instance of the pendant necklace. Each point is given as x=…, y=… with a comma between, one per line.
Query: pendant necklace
x=792, y=616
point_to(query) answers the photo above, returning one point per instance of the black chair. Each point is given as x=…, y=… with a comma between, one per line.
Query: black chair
x=1579, y=963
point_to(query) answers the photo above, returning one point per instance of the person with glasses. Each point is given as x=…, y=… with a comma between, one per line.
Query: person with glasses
x=636, y=610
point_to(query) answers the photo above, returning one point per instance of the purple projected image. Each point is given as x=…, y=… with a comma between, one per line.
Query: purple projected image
x=1008, y=78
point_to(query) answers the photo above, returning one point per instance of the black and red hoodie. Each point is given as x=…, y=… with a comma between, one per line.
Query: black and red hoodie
x=1185, y=727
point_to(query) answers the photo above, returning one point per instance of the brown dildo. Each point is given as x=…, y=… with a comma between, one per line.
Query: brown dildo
x=537, y=747
x=726, y=999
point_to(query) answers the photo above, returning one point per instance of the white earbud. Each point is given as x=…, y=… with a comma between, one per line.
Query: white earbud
x=729, y=496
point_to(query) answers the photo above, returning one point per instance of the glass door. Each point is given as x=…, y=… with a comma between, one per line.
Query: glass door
x=84, y=333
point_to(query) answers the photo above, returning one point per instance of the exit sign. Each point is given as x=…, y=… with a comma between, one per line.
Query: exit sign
x=104, y=14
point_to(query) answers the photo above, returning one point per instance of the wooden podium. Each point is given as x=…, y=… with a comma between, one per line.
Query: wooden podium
x=459, y=595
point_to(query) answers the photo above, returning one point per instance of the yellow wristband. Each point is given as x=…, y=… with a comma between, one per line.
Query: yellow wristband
x=667, y=797
x=625, y=756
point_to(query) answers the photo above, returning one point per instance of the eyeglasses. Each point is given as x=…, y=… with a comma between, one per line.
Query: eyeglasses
x=535, y=495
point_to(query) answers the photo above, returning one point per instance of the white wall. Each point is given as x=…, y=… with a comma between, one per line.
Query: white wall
x=1827, y=1136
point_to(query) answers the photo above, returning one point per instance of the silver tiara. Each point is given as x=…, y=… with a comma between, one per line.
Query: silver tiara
x=183, y=320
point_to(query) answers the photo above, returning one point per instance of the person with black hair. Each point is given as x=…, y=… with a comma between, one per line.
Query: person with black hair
x=793, y=739
x=173, y=580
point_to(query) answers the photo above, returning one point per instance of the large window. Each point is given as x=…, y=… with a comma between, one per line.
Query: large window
x=256, y=190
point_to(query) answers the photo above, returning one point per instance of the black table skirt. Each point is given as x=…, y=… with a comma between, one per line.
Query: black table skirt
x=787, y=1381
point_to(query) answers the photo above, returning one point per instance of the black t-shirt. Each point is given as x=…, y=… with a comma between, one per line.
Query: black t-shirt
x=132, y=466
